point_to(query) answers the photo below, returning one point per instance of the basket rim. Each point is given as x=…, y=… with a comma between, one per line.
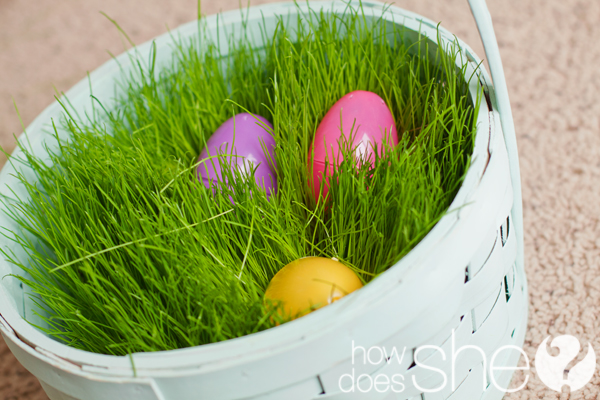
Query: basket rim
x=279, y=339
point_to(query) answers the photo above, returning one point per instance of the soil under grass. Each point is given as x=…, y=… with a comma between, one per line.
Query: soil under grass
x=140, y=256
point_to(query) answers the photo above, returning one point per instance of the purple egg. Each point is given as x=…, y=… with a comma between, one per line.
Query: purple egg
x=246, y=145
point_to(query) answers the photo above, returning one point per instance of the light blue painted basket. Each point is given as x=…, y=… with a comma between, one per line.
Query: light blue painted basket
x=466, y=276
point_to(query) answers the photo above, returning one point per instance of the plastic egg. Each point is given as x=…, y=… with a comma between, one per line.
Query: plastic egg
x=310, y=283
x=239, y=140
x=366, y=118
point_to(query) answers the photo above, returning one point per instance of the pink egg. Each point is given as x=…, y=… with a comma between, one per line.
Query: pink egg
x=364, y=116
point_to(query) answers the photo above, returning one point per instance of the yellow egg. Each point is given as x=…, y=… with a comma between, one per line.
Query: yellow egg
x=309, y=283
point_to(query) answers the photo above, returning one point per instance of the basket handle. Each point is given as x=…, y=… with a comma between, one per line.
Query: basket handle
x=483, y=19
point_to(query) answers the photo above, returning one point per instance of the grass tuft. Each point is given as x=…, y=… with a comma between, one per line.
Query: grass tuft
x=129, y=252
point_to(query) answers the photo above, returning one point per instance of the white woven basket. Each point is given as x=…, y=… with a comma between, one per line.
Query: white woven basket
x=465, y=276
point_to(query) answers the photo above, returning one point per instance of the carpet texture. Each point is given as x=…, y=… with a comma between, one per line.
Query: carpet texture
x=551, y=54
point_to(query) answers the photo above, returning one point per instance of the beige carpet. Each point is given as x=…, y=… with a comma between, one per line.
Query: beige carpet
x=551, y=52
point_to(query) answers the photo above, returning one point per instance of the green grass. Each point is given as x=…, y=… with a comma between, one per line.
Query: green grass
x=136, y=255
